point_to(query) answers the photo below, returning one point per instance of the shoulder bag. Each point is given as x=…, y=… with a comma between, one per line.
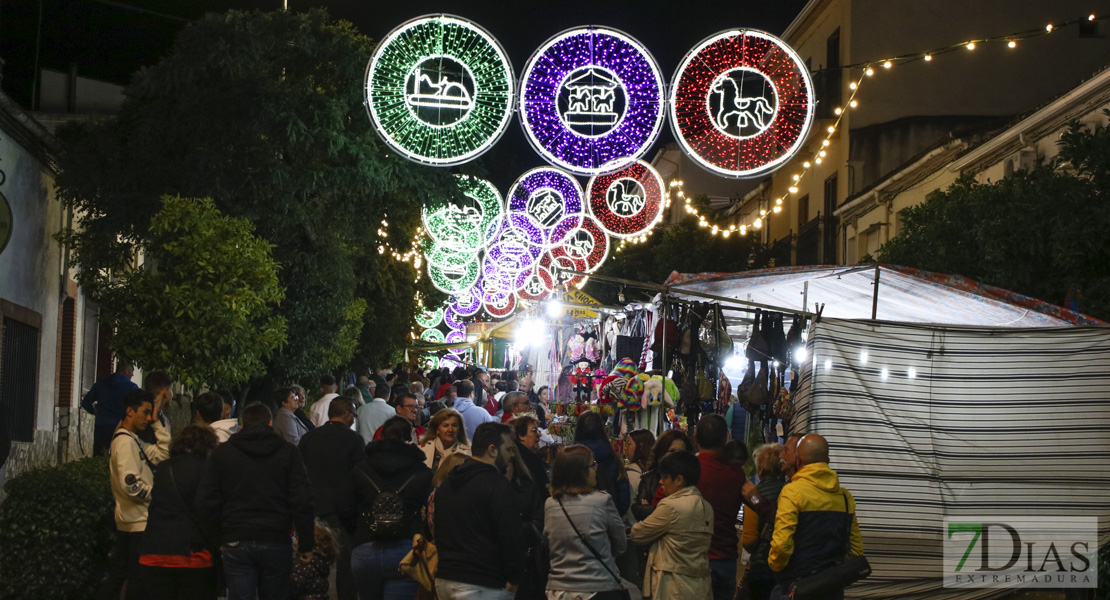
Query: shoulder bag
x=624, y=593
x=835, y=577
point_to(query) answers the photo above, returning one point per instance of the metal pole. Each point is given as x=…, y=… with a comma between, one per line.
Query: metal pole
x=875, y=296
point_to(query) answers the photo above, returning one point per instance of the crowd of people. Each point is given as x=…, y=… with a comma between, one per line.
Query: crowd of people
x=271, y=501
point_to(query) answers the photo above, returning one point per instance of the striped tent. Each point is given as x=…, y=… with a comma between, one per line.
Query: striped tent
x=967, y=400
x=925, y=422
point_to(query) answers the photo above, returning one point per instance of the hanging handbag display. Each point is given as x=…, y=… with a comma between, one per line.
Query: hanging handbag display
x=835, y=577
x=757, y=344
x=713, y=334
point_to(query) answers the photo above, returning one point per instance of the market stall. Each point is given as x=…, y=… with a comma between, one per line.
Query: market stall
x=941, y=397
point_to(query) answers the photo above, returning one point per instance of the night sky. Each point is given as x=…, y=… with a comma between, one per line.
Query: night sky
x=109, y=42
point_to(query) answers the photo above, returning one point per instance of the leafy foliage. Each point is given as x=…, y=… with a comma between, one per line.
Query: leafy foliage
x=1039, y=232
x=683, y=247
x=56, y=531
x=202, y=307
x=263, y=113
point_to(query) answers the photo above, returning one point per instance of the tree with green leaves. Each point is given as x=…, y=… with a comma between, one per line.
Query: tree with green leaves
x=202, y=305
x=1039, y=232
x=263, y=113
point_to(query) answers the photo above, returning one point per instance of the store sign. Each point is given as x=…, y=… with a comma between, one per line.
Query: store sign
x=439, y=90
x=580, y=297
x=742, y=103
x=592, y=100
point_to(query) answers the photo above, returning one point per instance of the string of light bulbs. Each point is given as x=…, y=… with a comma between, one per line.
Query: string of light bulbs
x=868, y=69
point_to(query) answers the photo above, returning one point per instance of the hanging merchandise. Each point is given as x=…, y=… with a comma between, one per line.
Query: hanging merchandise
x=713, y=335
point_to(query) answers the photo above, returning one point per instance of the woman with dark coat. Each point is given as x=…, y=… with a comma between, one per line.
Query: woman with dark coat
x=530, y=497
x=176, y=551
x=391, y=465
x=611, y=477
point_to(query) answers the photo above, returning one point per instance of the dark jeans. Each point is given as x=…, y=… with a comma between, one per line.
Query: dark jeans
x=722, y=576
x=167, y=583
x=102, y=438
x=257, y=569
x=124, y=562
x=374, y=565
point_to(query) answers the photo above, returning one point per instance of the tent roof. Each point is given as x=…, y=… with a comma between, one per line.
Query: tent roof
x=905, y=295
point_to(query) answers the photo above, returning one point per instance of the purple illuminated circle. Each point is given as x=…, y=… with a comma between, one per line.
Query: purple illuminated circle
x=496, y=279
x=591, y=100
x=547, y=195
x=456, y=336
x=517, y=244
x=452, y=319
x=467, y=303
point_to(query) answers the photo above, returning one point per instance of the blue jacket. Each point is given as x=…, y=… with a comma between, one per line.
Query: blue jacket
x=105, y=398
x=608, y=473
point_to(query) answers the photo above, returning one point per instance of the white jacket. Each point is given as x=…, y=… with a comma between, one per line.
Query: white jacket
x=132, y=476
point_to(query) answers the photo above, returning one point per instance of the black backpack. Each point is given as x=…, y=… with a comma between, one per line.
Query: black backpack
x=386, y=518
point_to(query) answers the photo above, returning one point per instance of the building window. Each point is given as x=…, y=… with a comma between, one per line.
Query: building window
x=803, y=211
x=19, y=368
x=89, y=337
x=829, y=81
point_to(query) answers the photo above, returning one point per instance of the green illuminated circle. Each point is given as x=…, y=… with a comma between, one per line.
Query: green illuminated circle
x=462, y=225
x=439, y=90
x=434, y=336
x=454, y=280
x=429, y=318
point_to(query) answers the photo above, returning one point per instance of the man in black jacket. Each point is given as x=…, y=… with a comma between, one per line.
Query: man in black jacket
x=330, y=452
x=255, y=490
x=477, y=530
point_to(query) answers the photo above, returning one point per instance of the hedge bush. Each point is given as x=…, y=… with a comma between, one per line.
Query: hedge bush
x=56, y=531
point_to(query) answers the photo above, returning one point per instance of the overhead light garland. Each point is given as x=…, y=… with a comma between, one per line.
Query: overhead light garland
x=867, y=70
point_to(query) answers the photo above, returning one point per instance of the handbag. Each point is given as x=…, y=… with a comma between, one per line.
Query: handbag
x=835, y=577
x=624, y=593
x=421, y=563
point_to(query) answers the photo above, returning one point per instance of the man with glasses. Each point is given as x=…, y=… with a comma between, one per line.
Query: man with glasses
x=407, y=407
x=330, y=452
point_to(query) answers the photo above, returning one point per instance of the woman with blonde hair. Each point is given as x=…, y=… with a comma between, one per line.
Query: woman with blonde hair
x=583, y=529
x=756, y=538
x=445, y=436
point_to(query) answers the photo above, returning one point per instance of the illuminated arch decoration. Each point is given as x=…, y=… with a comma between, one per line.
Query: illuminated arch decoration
x=455, y=336
x=627, y=203
x=462, y=225
x=454, y=280
x=517, y=244
x=742, y=103
x=452, y=319
x=450, y=361
x=500, y=305
x=547, y=195
x=434, y=336
x=582, y=239
x=591, y=100
x=439, y=90
x=538, y=285
x=467, y=303
x=561, y=280
x=429, y=318
x=496, y=279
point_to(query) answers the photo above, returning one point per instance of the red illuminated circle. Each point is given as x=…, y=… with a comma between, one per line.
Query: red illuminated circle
x=581, y=238
x=629, y=202
x=561, y=278
x=742, y=103
x=538, y=286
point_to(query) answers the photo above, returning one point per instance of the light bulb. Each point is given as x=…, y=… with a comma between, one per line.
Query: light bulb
x=869, y=71
x=884, y=373
x=762, y=212
x=863, y=357
x=777, y=209
x=822, y=154
x=1091, y=18
x=838, y=110
x=852, y=85
x=725, y=233
x=797, y=177
x=888, y=64
x=743, y=230
x=1012, y=44
x=853, y=104
x=800, y=353
x=928, y=57
x=554, y=308
x=793, y=190
x=831, y=129
x=806, y=164
x=778, y=201
x=824, y=142
x=757, y=223
x=817, y=160
x=1048, y=28
x=971, y=45
x=911, y=373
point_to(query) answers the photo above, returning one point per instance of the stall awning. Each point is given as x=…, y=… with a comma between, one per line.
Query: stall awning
x=904, y=295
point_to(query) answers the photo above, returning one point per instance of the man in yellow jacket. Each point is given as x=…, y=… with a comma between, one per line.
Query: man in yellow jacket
x=816, y=520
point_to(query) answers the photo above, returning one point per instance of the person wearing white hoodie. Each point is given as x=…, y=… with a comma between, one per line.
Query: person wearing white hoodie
x=210, y=409
x=472, y=415
x=131, y=468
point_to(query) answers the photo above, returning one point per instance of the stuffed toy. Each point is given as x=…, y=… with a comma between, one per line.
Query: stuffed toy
x=633, y=392
x=611, y=389
x=655, y=393
x=582, y=378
